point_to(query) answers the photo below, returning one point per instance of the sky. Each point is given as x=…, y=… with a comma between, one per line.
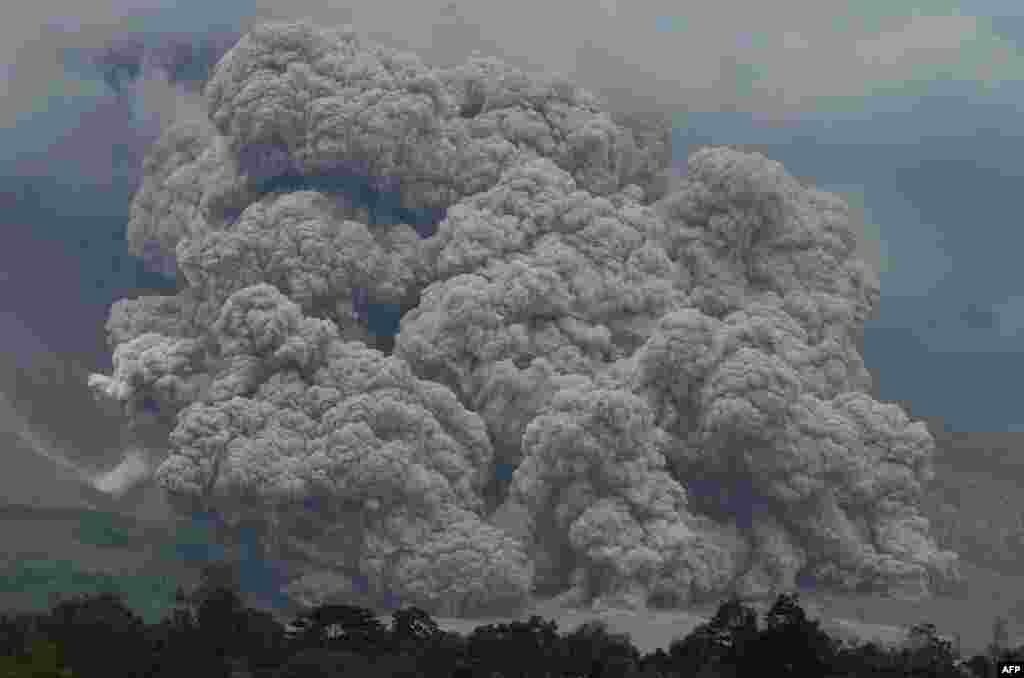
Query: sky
x=910, y=111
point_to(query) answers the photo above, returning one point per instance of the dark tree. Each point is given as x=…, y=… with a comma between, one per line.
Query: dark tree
x=332, y=663
x=927, y=654
x=16, y=633
x=42, y=660
x=867, y=660
x=324, y=663
x=262, y=640
x=218, y=622
x=447, y=653
x=591, y=650
x=206, y=629
x=344, y=627
x=413, y=631
x=83, y=624
x=516, y=648
x=791, y=644
x=981, y=666
x=721, y=644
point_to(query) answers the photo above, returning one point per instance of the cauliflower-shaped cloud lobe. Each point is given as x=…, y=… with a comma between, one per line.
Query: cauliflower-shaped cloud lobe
x=536, y=270
x=341, y=425
x=745, y=227
x=606, y=382
x=154, y=366
x=594, y=479
x=465, y=569
x=298, y=98
x=190, y=183
x=303, y=243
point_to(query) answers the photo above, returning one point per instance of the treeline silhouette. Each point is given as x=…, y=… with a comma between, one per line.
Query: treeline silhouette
x=212, y=633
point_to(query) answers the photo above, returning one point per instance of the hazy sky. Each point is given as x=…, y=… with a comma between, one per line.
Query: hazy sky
x=909, y=110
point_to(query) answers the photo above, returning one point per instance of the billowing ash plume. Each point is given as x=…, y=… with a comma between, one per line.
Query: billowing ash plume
x=668, y=367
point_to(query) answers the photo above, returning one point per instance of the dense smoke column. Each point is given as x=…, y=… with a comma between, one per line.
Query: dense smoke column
x=567, y=350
